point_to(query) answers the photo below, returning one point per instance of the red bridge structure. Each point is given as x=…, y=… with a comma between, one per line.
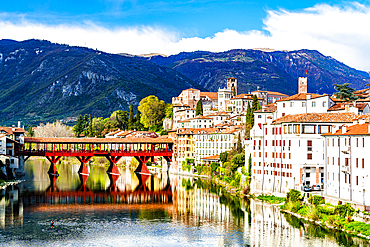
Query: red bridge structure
x=143, y=149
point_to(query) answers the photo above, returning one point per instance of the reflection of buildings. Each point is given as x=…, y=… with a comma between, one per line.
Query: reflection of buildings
x=11, y=208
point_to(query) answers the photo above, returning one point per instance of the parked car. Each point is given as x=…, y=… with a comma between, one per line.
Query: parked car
x=307, y=188
x=316, y=187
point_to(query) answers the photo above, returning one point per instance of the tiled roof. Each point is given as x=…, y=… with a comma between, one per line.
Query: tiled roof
x=114, y=132
x=11, y=130
x=361, y=91
x=222, y=113
x=124, y=133
x=243, y=96
x=268, y=108
x=302, y=96
x=184, y=121
x=344, y=117
x=191, y=89
x=364, y=100
x=200, y=117
x=213, y=157
x=96, y=140
x=211, y=95
x=337, y=100
x=270, y=93
x=342, y=106
x=358, y=129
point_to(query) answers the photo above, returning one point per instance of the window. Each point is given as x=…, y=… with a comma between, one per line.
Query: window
x=308, y=129
x=324, y=104
x=356, y=180
x=291, y=104
x=323, y=129
x=356, y=162
x=303, y=104
x=309, y=145
x=363, y=163
x=309, y=156
x=313, y=103
x=283, y=105
x=283, y=114
x=308, y=174
x=259, y=116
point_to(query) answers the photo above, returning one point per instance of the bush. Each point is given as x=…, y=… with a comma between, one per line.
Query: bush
x=294, y=196
x=292, y=206
x=316, y=200
x=326, y=209
x=344, y=210
x=310, y=212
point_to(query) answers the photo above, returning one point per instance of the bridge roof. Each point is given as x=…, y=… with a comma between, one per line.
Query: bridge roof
x=65, y=140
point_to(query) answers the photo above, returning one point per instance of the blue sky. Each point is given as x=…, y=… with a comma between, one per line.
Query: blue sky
x=335, y=28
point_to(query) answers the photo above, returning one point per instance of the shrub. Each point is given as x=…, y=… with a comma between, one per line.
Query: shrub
x=344, y=210
x=294, y=196
x=316, y=200
x=326, y=209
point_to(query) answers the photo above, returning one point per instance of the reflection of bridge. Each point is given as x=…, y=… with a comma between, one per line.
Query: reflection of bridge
x=141, y=194
x=143, y=149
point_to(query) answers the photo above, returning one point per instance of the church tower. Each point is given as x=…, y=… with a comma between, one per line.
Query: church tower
x=232, y=84
x=302, y=85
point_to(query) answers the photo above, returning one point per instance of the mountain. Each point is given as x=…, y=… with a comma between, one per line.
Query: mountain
x=42, y=81
x=264, y=70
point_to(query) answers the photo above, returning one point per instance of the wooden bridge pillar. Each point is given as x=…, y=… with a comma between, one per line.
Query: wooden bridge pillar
x=53, y=168
x=142, y=168
x=113, y=164
x=83, y=160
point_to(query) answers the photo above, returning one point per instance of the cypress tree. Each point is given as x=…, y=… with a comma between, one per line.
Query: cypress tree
x=239, y=146
x=131, y=117
x=199, y=109
x=90, y=131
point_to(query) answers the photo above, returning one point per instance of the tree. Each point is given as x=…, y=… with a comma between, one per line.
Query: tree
x=90, y=131
x=255, y=106
x=131, y=117
x=250, y=165
x=119, y=119
x=237, y=161
x=79, y=127
x=345, y=92
x=223, y=157
x=169, y=111
x=152, y=111
x=137, y=124
x=239, y=146
x=56, y=129
x=30, y=131
x=199, y=109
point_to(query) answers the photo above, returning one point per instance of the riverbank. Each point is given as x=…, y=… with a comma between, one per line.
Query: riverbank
x=316, y=211
x=5, y=184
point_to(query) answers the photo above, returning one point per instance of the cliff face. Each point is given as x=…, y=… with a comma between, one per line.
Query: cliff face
x=275, y=71
x=42, y=81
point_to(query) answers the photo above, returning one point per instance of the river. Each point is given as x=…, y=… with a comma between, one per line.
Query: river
x=136, y=210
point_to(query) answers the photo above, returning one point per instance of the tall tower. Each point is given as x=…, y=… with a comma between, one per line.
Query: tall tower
x=302, y=85
x=232, y=84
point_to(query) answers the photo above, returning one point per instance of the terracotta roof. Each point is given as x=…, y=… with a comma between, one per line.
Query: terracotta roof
x=360, y=91
x=342, y=106
x=200, y=117
x=268, y=108
x=343, y=117
x=222, y=113
x=211, y=95
x=11, y=130
x=358, y=129
x=271, y=93
x=184, y=121
x=96, y=140
x=124, y=133
x=213, y=157
x=243, y=96
x=180, y=105
x=302, y=96
x=191, y=89
x=337, y=100
x=114, y=132
x=364, y=100
x=366, y=117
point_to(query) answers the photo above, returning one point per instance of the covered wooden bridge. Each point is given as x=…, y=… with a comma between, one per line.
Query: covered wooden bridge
x=143, y=149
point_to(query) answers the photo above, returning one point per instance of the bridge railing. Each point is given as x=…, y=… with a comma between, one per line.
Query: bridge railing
x=40, y=152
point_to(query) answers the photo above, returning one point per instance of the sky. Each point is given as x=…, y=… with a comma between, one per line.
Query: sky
x=339, y=29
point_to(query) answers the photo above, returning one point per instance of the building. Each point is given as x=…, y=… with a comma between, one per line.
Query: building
x=11, y=139
x=347, y=168
x=189, y=97
x=268, y=97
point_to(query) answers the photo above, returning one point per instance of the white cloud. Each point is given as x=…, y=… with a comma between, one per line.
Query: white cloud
x=337, y=31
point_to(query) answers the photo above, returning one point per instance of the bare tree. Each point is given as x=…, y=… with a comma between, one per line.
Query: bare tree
x=56, y=129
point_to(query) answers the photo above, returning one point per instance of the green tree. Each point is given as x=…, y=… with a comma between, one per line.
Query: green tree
x=255, y=106
x=223, y=157
x=90, y=131
x=152, y=111
x=239, y=146
x=137, y=123
x=199, y=109
x=169, y=111
x=79, y=127
x=30, y=131
x=250, y=165
x=131, y=117
x=237, y=161
x=345, y=92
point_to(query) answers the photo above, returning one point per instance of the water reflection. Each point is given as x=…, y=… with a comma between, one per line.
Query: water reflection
x=133, y=209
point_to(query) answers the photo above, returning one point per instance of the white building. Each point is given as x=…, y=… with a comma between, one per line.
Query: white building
x=347, y=169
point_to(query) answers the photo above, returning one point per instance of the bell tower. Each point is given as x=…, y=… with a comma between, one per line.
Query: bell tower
x=232, y=84
x=302, y=85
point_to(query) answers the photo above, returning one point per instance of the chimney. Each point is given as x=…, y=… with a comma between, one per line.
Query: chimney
x=344, y=129
x=19, y=124
x=308, y=96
